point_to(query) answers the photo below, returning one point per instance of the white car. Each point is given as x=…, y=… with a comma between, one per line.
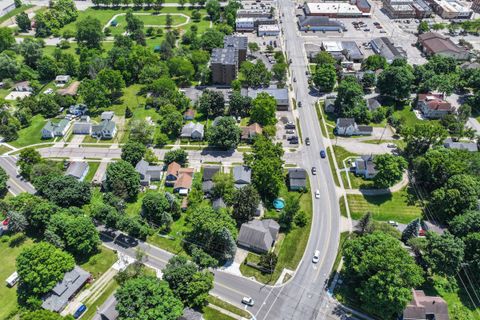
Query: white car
x=317, y=194
x=48, y=91
x=248, y=301
x=316, y=256
x=393, y=223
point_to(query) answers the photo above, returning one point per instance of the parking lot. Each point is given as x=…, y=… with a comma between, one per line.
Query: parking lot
x=286, y=129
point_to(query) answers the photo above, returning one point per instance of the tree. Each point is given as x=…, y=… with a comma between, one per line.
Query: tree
x=17, y=222
x=368, y=80
x=460, y=193
x=253, y=47
x=181, y=69
x=423, y=27
x=213, y=9
x=40, y=266
x=211, y=39
x=255, y=74
x=472, y=251
x=268, y=261
x=245, y=203
x=122, y=180
x=147, y=298
x=421, y=137
x=47, y=68
x=133, y=23
x=94, y=94
x=324, y=58
x=223, y=186
x=349, y=102
x=239, y=105
x=36, y=210
x=171, y=123
x=30, y=49
x=292, y=206
x=215, y=231
x=179, y=156
x=377, y=263
x=112, y=80
x=374, y=62
x=465, y=223
x=3, y=181
x=325, y=77
x=157, y=209
x=365, y=224
x=41, y=315
x=133, y=152
x=75, y=234
x=389, y=168
x=396, y=82
x=187, y=282
x=225, y=134
x=263, y=110
x=17, y=3
x=64, y=191
x=202, y=259
x=444, y=253
x=89, y=33
x=141, y=131
x=7, y=40
x=211, y=103
x=168, y=20
x=26, y=159
x=411, y=230
x=23, y=22
x=9, y=67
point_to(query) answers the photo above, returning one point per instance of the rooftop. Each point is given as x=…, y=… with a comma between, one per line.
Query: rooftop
x=426, y=307
x=237, y=42
x=318, y=21
x=224, y=56
x=259, y=234
x=332, y=8
x=386, y=48
x=437, y=43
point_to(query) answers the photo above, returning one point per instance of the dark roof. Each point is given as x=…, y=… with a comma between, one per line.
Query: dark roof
x=362, y=128
x=316, y=21
x=237, y=42
x=469, y=146
x=242, y=175
x=209, y=172
x=190, y=314
x=388, y=49
x=224, y=56
x=297, y=177
x=108, y=310
x=373, y=104
x=258, y=234
x=438, y=43
x=424, y=307
x=345, y=122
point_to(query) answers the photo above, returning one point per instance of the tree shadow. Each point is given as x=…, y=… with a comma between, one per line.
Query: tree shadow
x=378, y=199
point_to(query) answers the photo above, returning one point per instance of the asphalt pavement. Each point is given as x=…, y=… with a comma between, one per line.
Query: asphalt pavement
x=15, y=183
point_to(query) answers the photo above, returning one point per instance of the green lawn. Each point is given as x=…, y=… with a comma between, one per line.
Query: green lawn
x=290, y=249
x=92, y=168
x=227, y=306
x=31, y=134
x=4, y=149
x=100, y=262
x=154, y=19
x=357, y=182
x=406, y=115
x=92, y=308
x=212, y=314
x=399, y=206
x=8, y=296
x=332, y=166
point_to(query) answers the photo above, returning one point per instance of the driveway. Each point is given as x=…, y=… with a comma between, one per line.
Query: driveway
x=358, y=147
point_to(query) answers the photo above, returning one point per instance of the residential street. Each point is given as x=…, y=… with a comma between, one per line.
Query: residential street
x=14, y=183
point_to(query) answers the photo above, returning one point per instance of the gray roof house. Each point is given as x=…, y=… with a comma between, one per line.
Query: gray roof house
x=385, y=47
x=107, y=129
x=148, y=173
x=51, y=130
x=330, y=104
x=242, y=176
x=373, y=104
x=78, y=170
x=107, y=115
x=193, y=131
x=279, y=94
x=348, y=127
x=83, y=126
x=469, y=146
x=258, y=235
x=108, y=309
x=62, y=79
x=297, y=179
x=207, y=178
x=364, y=166
x=56, y=300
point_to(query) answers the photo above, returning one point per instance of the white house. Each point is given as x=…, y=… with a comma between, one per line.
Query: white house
x=62, y=80
x=52, y=130
x=193, y=131
x=348, y=127
x=83, y=126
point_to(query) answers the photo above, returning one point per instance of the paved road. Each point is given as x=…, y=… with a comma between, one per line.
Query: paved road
x=14, y=183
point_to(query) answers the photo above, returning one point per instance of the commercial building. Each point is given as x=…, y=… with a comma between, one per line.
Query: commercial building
x=385, y=47
x=333, y=10
x=254, y=13
x=398, y=9
x=279, y=94
x=451, y=9
x=422, y=9
x=224, y=65
x=314, y=23
x=268, y=30
x=434, y=43
x=244, y=24
x=342, y=50
x=476, y=6
x=239, y=43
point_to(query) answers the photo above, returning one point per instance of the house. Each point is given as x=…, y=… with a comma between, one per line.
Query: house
x=279, y=94
x=148, y=172
x=78, y=110
x=433, y=105
x=469, y=146
x=425, y=307
x=71, y=90
x=218, y=204
x=364, y=166
x=108, y=310
x=189, y=114
x=107, y=129
x=107, y=115
x=83, y=126
x=77, y=169
x=183, y=184
x=191, y=314
x=57, y=299
x=258, y=235
x=52, y=130
x=373, y=103
x=297, y=179
x=348, y=127
x=432, y=43
x=194, y=131
x=207, y=178
x=172, y=173
x=251, y=131
x=23, y=86
x=62, y=80
x=242, y=176
x=385, y=47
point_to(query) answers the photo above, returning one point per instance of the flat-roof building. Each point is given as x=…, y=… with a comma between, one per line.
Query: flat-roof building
x=333, y=9
x=385, y=47
x=315, y=23
x=239, y=43
x=224, y=65
x=253, y=13
x=244, y=24
x=268, y=30
x=434, y=43
x=398, y=9
x=451, y=9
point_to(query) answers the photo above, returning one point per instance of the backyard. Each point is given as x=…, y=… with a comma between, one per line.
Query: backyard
x=31, y=134
x=399, y=206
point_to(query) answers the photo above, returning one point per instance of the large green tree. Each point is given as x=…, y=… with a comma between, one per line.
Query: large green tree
x=147, y=298
x=263, y=110
x=245, y=202
x=444, y=253
x=349, y=102
x=7, y=40
x=374, y=62
x=376, y=264
x=122, y=179
x=23, y=22
x=225, y=134
x=239, y=105
x=211, y=103
x=396, y=82
x=421, y=137
x=89, y=33
x=157, y=209
x=64, y=191
x=465, y=223
x=133, y=152
x=389, y=168
x=325, y=77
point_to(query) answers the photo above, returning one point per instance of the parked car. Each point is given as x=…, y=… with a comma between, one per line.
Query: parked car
x=316, y=256
x=79, y=311
x=290, y=131
x=248, y=301
x=323, y=154
x=290, y=125
x=314, y=170
x=393, y=223
x=299, y=104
